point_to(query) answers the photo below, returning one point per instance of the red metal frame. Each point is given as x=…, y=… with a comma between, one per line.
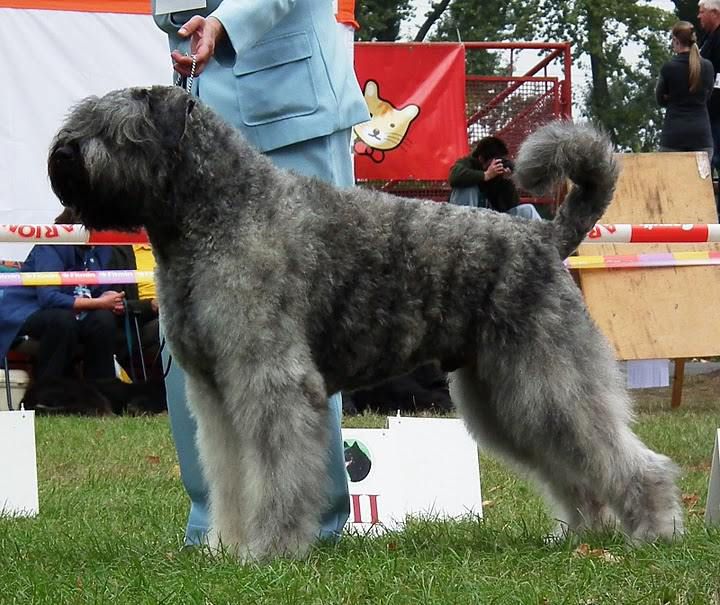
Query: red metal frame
x=527, y=112
x=558, y=50
x=499, y=98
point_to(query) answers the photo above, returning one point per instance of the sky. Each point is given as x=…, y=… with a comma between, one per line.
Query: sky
x=580, y=73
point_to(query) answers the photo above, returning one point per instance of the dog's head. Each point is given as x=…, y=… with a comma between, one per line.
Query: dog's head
x=112, y=158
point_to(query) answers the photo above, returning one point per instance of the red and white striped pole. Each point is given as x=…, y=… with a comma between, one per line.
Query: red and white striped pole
x=620, y=233
x=653, y=234
x=601, y=233
x=68, y=235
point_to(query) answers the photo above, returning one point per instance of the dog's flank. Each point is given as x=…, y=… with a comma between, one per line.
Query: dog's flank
x=277, y=289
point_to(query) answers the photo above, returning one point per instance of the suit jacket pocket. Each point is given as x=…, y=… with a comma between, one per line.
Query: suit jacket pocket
x=274, y=80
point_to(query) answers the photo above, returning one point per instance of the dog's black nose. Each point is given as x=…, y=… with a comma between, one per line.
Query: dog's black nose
x=66, y=152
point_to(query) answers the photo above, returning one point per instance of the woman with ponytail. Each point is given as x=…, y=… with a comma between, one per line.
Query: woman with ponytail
x=684, y=87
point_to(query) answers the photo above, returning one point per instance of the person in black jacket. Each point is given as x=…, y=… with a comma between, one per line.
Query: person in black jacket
x=684, y=88
x=709, y=18
x=483, y=179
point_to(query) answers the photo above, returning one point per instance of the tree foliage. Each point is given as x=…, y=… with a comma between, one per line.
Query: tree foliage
x=491, y=22
x=625, y=42
x=436, y=11
x=380, y=19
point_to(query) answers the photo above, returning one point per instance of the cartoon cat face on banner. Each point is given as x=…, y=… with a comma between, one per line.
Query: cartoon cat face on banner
x=415, y=94
x=386, y=128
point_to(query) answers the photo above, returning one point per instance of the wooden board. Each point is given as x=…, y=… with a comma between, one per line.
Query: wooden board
x=658, y=313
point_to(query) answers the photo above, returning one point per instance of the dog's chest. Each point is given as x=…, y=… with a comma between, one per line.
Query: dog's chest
x=180, y=323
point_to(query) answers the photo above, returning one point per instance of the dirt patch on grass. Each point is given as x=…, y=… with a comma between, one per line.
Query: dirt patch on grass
x=700, y=393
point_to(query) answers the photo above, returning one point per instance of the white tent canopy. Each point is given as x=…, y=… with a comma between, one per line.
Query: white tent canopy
x=54, y=58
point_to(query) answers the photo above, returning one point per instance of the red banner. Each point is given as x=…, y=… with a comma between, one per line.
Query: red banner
x=416, y=97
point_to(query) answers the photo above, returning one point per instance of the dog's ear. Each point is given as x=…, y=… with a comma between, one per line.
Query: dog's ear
x=170, y=108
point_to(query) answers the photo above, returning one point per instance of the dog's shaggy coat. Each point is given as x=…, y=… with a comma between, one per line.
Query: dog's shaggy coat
x=277, y=289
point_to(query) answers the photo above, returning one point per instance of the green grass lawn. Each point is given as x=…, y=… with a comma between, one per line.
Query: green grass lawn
x=113, y=511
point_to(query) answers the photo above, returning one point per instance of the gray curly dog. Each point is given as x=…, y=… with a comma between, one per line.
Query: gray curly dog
x=277, y=289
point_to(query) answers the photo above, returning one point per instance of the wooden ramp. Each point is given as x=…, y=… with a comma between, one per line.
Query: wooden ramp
x=658, y=313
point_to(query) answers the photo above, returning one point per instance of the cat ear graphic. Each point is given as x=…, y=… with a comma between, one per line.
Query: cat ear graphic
x=411, y=111
x=371, y=90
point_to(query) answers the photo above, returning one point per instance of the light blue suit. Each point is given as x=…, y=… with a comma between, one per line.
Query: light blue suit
x=282, y=77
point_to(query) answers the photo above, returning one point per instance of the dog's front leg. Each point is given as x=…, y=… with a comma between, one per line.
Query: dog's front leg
x=221, y=455
x=267, y=464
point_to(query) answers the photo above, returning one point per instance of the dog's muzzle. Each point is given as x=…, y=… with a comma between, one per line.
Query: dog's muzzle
x=68, y=176
x=64, y=153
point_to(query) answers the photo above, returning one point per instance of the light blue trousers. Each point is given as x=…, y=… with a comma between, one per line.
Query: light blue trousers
x=327, y=158
x=470, y=196
x=525, y=211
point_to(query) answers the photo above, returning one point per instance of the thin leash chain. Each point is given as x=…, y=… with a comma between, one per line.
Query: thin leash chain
x=189, y=80
x=189, y=83
x=188, y=89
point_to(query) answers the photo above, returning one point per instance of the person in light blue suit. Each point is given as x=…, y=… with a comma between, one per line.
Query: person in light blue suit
x=278, y=71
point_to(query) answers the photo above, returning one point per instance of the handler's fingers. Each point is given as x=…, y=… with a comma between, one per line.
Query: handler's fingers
x=181, y=63
x=202, y=53
x=190, y=27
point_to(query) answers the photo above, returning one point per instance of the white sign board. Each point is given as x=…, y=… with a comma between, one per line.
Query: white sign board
x=712, y=510
x=441, y=474
x=647, y=373
x=416, y=467
x=18, y=467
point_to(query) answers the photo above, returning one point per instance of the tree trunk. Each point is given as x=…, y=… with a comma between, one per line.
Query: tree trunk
x=599, y=96
x=438, y=8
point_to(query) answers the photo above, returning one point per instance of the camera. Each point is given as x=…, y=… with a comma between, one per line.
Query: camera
x=507, y=163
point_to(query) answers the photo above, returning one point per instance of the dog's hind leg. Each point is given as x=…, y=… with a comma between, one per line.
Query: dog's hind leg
x=587, y=453
x=569, y=426
x=480, y=403
x=645, y=496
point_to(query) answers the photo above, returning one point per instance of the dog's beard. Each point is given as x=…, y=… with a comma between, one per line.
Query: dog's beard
x=93, y=217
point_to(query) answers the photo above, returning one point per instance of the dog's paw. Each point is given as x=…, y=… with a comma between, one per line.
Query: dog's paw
x=560, y=535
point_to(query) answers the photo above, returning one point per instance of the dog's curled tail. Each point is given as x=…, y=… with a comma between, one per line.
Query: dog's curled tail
x=563, y=150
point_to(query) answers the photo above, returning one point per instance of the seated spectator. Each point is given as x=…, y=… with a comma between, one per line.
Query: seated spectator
x=139, y=337
x=61, y=318
x=140, y=299
x=483, y=180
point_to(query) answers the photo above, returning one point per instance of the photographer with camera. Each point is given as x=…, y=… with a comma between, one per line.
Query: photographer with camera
x=483, y=179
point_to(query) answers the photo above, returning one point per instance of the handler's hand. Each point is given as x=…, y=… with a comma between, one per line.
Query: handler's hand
x=204, y=34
